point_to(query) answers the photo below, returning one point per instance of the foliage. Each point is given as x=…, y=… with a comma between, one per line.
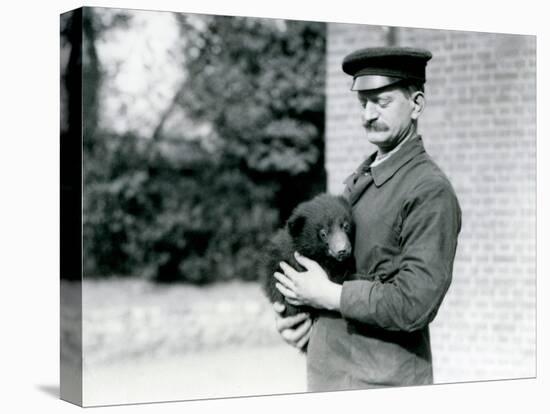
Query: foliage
x=260, y=83
x=186, y=218
x=185, y=210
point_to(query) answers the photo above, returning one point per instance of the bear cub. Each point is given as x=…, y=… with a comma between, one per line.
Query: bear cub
x=320, y=229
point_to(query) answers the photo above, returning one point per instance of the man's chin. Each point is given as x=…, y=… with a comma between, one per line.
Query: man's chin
x=377, y=138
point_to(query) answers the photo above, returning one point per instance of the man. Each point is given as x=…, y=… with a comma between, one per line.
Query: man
x=373, y=331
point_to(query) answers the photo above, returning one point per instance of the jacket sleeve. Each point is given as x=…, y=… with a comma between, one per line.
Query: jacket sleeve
x=409, y=300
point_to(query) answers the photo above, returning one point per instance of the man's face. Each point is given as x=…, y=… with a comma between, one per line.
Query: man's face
x=387, y=116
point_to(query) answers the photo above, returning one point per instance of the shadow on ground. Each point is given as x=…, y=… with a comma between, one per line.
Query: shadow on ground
x=51, y=390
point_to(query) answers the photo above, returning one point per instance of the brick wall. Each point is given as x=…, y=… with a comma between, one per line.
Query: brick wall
x=479, y=126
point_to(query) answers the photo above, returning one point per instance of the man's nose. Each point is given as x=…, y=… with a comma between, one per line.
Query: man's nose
x=370, y=112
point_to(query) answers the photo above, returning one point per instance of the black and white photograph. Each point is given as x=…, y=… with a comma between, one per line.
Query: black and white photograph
x=269, y=207
x=276, y=206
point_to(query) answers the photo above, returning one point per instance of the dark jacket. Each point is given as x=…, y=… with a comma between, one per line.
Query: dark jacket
x=407, y=221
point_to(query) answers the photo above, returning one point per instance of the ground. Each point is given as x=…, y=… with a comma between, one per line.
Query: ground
x=144, y=342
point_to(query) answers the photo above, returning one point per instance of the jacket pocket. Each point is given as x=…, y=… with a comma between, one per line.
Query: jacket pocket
x=381, y=362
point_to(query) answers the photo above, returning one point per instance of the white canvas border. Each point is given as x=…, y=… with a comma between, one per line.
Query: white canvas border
x=30, y=239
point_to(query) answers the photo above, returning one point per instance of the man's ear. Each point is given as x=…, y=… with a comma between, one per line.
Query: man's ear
x=418, y=103
x=296, y=224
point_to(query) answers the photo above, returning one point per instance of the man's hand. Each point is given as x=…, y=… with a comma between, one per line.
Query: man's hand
x=296, y=329
x=312, y=287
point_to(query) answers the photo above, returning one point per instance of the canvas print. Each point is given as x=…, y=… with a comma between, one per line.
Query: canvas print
x=256, y=206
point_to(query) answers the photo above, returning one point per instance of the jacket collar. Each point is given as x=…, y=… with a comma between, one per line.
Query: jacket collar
x=385, y=170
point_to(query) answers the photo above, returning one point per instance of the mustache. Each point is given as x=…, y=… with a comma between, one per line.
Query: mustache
x=375, y=126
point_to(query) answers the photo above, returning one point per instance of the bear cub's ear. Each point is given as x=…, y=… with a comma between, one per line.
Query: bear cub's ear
x=296, y=224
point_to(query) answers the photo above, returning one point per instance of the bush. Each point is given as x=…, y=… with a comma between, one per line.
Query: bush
x=173, y=212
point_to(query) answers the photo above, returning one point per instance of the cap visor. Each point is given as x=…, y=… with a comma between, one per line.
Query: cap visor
x=368, y=82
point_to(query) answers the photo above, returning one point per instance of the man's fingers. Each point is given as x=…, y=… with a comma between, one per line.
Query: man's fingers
x=290, y=321
x=295, y=302
x=289, y=271
x=279, y=307
x=304, y=328
x=285, y=281
x=296, y=335
x=304, y=261
x=289, y=294
x=305, y=339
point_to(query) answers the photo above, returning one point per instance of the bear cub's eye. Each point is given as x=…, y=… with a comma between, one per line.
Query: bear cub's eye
x=323, y=234
x=346, y=226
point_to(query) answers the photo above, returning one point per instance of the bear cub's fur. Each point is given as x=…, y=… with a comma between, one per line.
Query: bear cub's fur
x=320, y=229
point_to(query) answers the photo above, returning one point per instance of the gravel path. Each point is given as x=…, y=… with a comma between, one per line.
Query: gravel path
x=229, y=372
